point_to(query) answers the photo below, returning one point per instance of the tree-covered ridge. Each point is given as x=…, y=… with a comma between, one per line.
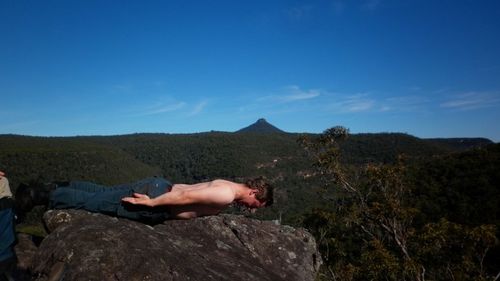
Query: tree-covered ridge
x=407, y=220
x=27, y=159
x=386, y=147
x=197, y=157
x=194, y=157
x=462, y=187
x=191, y=158
x=461, y=143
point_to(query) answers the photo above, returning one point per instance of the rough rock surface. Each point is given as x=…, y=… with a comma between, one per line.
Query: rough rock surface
x=86, y=246
x=25, y=250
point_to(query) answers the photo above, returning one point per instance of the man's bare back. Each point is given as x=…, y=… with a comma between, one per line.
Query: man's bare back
x=197, y=210
x=186, y=201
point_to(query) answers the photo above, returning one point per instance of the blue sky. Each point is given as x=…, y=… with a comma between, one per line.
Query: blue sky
x=424, y=67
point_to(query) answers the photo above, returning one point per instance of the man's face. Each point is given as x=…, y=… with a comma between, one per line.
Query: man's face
x=252, y=203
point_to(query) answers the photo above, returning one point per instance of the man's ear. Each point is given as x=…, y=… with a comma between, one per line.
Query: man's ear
x=253, y=192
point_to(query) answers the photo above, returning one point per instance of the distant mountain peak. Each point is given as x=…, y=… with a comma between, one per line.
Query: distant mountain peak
x=260, y=126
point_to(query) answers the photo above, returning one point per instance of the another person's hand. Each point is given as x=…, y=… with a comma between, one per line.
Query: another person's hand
x=138, y=199
x=2, y=174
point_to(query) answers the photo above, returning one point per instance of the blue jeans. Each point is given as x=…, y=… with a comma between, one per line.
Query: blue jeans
x=7, y=235
x=107, y=200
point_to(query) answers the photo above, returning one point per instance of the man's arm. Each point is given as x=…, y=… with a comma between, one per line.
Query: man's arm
x=219, y=196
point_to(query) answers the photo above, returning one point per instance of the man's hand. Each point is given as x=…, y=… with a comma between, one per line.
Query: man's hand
x=139, y=199
x=2, y=174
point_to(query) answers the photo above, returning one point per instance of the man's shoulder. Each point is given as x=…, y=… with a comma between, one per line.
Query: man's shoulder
x=223, y=188
x=222, y=182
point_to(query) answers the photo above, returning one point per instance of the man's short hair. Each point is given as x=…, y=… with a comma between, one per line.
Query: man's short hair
x=264, y=190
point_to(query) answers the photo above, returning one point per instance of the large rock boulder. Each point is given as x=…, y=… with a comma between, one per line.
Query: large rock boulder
x=88, y=246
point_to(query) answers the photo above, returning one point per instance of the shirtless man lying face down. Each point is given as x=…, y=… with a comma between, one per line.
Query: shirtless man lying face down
x=151, y=199
x=207, y=198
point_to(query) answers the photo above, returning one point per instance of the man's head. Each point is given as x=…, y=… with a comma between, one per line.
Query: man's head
x=261, y=193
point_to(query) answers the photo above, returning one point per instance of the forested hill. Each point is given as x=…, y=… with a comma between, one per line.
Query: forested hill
x=461, y=143
x=27, y=159
x=192, y=158
x=187, y=157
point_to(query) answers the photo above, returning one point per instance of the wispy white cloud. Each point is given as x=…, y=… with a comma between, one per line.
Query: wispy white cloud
x=404, y=103
x=417, y=100
x=384, y=108
x=369, y=102
x=291, y=94
x=472, y=100
x=295, y=94
x=160, y=108
x=358, y=105
x=293, y=99
x=353, y=103
x=198, y=108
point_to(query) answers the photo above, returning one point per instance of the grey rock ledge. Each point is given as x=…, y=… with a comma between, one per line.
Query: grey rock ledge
x=88, y=246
